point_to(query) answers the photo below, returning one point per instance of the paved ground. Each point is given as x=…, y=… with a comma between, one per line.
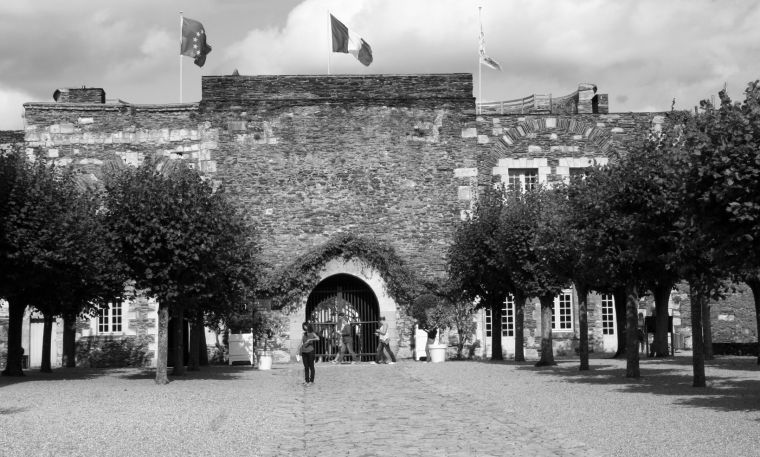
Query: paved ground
x=411, y=408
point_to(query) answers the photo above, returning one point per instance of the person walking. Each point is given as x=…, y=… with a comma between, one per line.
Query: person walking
x=384, y=344
x=344, y=328
x=308, y=352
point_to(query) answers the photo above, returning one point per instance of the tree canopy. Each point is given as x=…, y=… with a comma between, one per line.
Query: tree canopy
x=183, y=243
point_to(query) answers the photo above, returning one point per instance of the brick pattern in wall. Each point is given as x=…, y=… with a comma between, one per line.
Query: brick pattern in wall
x=90, y=135
x=380, y=157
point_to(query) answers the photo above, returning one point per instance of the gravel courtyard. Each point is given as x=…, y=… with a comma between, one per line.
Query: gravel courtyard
x=411, y=408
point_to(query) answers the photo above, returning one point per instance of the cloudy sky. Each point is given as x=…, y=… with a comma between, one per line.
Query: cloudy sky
x=642, y=53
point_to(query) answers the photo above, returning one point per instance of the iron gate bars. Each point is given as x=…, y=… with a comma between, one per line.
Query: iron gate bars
x=346, y=294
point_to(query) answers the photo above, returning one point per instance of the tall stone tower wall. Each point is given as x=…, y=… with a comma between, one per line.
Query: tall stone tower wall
x=307, y=157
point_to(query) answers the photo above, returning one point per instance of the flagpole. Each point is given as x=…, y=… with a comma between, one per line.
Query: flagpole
x=480, y=65
x=329, y=44
x=180, y=56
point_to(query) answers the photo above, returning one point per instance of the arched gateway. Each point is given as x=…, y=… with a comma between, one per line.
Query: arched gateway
x=344, y=293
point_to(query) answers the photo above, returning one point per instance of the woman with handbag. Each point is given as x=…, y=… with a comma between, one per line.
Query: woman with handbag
x=308, y=352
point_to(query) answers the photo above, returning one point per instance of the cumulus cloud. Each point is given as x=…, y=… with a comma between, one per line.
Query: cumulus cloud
x=643, y=53
x=11, y=109
x=650, y=51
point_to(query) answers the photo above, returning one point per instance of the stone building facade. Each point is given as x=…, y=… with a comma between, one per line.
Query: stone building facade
x=394, y=158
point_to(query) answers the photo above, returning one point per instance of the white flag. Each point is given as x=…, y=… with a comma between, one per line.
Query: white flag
x=484, y=59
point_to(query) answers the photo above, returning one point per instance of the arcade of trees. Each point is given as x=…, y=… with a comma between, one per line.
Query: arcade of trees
x=680, y=205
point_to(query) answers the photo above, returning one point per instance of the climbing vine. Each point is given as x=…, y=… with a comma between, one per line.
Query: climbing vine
x=287, y=286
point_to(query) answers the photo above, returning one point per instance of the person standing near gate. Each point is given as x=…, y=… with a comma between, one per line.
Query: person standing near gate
x=308, y=352
x=344, y=327
x=384, y=344
x=432, y=334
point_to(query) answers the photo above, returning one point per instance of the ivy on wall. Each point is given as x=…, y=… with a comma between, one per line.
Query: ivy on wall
x=286, y=287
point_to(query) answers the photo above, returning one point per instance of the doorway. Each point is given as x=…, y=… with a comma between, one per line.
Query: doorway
x=353, y=297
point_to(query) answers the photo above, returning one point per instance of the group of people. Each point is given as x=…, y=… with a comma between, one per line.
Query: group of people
x=343, y=329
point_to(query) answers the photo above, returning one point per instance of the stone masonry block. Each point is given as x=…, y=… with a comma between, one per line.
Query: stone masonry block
x=465, y=172
x=52, y=153
x=464, y=193
x=85, y=120
x=470, y=132
x=483, y=139
x=236, y=126
x=208, y=166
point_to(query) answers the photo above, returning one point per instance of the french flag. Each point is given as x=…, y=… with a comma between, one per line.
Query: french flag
x=349, y=42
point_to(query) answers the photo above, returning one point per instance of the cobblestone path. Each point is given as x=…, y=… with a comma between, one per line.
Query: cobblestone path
x=404, y=409
x=411, y=408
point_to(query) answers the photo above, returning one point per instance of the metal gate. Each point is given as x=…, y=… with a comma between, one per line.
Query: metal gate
x=350, y=295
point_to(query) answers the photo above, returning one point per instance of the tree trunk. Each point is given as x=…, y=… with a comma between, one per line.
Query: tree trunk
x=47, y=331
x=162, y=346
x=661, y=298
x=179, y=343
x=547, y=350
x=754, y=284
x=631, y=331
x=620, y=307
x=519, y=327
x=460, y=343
x=202, y=350
x=707, y=328
x=697, y=343
x=13, y=365
x=496, y=351
x=193, y=363
x=69, y=340
x=582, y=291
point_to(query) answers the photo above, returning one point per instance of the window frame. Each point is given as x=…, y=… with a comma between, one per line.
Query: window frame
x=110, y=319
x=507, y=319
x=607, y=304
x=520, y=176
x=557, y=310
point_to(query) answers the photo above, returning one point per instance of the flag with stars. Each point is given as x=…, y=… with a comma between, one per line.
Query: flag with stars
x=194, y=41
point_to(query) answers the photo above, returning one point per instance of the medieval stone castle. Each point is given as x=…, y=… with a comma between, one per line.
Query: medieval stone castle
x=395, y=158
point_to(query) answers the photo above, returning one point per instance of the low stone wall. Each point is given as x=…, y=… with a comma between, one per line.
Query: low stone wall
x=749, y=349
x=113, y=351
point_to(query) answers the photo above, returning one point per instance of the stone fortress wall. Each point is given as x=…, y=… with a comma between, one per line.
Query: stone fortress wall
x=398, y=158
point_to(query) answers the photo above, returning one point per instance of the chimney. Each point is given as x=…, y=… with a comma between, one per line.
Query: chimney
x=83, y=95
x=586, y=93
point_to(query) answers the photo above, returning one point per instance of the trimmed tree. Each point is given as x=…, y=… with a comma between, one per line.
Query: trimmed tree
x=721, y=149
x=524, y=254
x=53, y=253
x=472, y=261
x=169, y=226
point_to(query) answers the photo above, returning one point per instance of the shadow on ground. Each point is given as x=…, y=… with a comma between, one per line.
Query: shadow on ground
x=672, y=377
x=58, y=374
x=213, y=372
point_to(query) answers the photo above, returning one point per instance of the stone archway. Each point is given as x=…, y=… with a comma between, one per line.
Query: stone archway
x=344, y=294
x=385, y=304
